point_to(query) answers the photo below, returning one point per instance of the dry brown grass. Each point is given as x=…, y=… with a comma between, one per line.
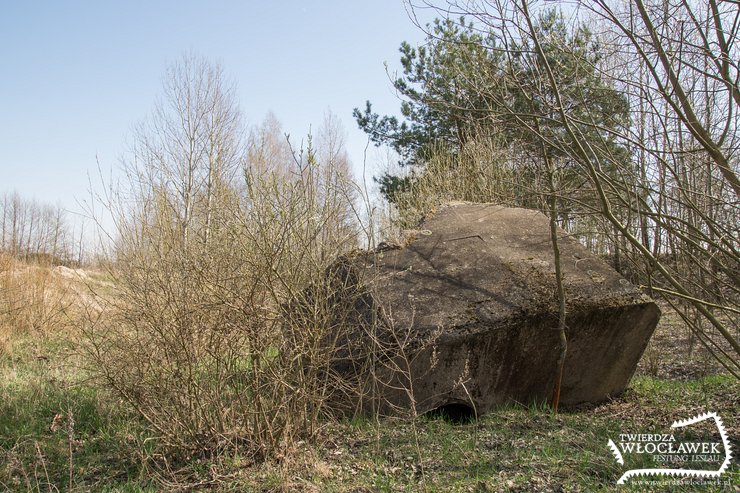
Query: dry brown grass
x=35, y=300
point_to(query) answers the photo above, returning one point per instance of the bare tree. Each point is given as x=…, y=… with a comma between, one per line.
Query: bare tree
x=34, y=231
x=192, y=142
x=661, y=192
x=219, y=234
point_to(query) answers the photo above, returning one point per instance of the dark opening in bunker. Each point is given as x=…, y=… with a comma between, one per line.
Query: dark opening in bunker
x=453, y=412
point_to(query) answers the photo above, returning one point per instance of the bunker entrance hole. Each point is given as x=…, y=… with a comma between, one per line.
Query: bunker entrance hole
x=453, y=412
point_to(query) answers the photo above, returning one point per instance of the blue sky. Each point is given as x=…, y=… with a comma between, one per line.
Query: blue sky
x=78, y=75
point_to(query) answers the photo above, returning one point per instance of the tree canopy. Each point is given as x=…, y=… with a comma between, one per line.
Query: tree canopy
x=465, y=84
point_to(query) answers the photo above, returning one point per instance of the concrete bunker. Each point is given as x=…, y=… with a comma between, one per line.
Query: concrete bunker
x=464, y=315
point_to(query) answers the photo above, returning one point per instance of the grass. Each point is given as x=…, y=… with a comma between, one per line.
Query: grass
x=105, y=448
x=56, y=435
x=518, y=449
x=60, y=432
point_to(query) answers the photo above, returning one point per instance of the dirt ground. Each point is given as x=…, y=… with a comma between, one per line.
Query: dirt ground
x=674, y=353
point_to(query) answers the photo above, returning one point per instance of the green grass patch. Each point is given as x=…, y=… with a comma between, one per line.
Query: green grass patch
x=58, y=433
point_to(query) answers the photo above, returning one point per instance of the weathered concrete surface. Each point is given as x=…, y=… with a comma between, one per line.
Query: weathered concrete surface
x=471, y=302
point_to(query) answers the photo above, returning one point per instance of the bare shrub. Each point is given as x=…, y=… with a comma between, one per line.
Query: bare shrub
x=480, y=172
x=213, y=242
